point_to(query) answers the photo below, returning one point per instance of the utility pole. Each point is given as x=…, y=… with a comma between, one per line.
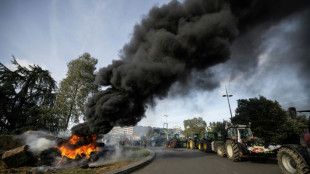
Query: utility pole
x=227, y=95
x=166, y=125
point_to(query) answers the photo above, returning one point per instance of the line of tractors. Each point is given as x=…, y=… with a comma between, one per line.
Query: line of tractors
x=240, y=143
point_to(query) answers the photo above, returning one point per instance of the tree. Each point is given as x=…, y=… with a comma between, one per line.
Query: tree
x=194, y=126
x=75, y=89
x=217, y=127
x=293, y=128
x=269, y=121
x=27, y=96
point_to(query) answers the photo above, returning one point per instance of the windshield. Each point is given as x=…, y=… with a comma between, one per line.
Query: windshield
x=245, y=132
x=210, y=135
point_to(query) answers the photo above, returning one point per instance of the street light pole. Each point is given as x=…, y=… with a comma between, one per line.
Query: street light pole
x=228, y=101
x=166, y=125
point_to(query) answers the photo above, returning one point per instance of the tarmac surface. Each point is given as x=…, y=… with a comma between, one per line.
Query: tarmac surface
x=187, y=161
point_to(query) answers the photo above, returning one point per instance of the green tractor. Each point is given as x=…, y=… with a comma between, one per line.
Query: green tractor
x=174, y=142
x=193, y=141
x=205, y=142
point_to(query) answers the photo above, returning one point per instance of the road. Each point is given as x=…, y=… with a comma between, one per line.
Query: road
x=187, y=161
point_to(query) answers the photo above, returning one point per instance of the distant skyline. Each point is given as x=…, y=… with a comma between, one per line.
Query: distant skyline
x=52, y=33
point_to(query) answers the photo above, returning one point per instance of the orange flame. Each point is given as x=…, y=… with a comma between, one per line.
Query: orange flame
x=86, y=149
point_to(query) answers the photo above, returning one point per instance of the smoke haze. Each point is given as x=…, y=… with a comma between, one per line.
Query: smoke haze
x=180, y=42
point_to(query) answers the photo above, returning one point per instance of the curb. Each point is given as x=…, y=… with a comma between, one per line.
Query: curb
x=136, y=165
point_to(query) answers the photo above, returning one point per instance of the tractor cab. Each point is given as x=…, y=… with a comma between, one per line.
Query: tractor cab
x=239, y=131
x=213, y=136
x=176, y=137
x=194, y=136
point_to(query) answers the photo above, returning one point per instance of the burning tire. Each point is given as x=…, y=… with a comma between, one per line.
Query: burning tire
x=232, y=151
x=220, y=151
x=290, y=162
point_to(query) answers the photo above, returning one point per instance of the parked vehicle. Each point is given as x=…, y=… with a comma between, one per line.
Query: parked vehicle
x=156, y=141
x=193, y=141
x=205, y=142
x=295, y=158
x=240, y=143
x=174, y=142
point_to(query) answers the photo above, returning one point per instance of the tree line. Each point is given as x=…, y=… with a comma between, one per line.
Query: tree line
x=31, y=100
x=269, y=121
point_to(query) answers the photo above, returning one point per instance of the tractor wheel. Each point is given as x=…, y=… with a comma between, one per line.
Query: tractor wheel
x=220, y=151
x=207, y=147
x=232, y=151
x=200, y=146
x=172, y=144
x=165, y=144
x=192, y=144
x=153, y=144
x=290, y=162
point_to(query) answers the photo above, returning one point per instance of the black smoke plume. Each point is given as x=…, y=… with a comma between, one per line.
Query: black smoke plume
x=168, y=44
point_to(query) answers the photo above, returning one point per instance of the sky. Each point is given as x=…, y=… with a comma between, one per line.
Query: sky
x=270, y=60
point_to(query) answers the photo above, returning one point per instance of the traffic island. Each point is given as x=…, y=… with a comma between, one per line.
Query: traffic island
x=127, y=160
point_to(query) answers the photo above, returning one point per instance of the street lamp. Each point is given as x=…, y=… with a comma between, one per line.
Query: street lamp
x=166, y=125
x=228, y=101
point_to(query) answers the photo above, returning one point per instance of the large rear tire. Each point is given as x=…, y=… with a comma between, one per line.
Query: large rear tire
x=232, y=151
x=200, y=146
x=207, y=147
x=220, y=151
x=290, y=162
x=172, y=144
x=192, y=144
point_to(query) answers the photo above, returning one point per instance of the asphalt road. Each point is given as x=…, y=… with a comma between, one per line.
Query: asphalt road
x=187, y=161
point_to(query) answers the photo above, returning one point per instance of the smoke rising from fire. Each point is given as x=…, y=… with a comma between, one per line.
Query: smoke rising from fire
x=169, y=44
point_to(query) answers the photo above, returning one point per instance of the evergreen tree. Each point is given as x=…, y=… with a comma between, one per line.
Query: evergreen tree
x=269, y=120
x=76, y=88
x=26, y=99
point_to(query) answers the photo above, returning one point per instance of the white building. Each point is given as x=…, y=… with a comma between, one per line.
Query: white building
x=176, y=130
x=122, y=130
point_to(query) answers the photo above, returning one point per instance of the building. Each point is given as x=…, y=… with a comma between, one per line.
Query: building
x=176, y=130
x=122, y=130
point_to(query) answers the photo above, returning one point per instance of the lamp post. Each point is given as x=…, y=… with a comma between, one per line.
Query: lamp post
x=166, y=125
x=227, y=95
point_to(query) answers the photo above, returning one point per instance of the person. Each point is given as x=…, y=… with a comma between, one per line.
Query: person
x=144, y=142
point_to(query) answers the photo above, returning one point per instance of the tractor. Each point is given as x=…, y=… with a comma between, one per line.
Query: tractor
x=174, y=142
x=205, y=142
x=240, y=143
x=193, y=141
x=156, y=141
x=295, y=158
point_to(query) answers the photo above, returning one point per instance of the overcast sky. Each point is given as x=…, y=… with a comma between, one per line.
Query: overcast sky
x=265, y=61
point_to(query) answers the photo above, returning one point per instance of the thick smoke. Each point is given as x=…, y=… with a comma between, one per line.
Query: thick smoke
x=166, y=47
x=273, y=54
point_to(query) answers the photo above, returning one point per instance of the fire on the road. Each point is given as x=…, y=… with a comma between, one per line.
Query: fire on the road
x=86, y=150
